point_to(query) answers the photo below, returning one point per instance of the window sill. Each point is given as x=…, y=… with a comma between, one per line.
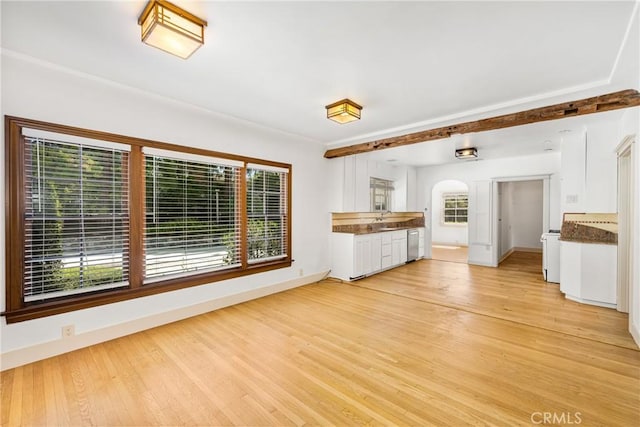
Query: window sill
x=50, y=308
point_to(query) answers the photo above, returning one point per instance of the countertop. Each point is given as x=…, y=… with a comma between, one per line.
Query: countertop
x=374, y=228
x=599, y=228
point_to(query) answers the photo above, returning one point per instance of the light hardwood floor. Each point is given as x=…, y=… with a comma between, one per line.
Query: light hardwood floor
x=423, y=344
x=451, y=253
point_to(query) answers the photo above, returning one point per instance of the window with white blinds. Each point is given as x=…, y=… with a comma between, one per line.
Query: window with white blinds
x=94, y=217
x=192, y=221
x=76, y=219
x=266, y=213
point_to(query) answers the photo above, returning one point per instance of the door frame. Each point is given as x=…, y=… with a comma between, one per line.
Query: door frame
x=625, y=204
x=546, y=191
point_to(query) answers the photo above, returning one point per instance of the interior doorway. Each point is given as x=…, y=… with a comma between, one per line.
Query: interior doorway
x=449, y=221
x=520, y=221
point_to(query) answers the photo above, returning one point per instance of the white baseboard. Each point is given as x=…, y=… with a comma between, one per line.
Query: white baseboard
x=459, y=245
x=506, y=255
x=481, y=263
x=590, y=302
x=23, y=356
x=521, y=249
x=635, y=333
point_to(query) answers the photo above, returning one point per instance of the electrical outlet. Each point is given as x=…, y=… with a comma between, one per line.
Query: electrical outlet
x=68, y=331
x=301, y=272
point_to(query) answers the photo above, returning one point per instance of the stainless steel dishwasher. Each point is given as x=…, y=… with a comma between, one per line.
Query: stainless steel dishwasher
x=412, y=244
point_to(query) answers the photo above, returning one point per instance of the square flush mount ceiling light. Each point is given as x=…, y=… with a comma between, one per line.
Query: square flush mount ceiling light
x=344, y=111
x=467, y=153
x=172, y=29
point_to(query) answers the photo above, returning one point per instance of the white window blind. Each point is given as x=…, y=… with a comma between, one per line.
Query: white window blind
x=192, y=216
x=266, y=213
x=76, y=217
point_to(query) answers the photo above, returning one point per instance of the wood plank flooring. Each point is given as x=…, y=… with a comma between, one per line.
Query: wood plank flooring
x=371, y=353
x=452, y=254
x=515, y=291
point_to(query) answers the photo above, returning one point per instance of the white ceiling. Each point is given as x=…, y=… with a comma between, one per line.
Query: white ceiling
x=410, y=64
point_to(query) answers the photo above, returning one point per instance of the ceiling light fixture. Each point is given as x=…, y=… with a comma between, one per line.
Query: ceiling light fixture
x=172, y=29
x=344, y=111
x=467, y=153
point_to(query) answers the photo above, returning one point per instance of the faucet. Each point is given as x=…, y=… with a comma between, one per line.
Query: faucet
x=381, y=217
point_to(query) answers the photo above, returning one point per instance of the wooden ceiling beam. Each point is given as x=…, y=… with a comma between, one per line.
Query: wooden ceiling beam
x=597, y=104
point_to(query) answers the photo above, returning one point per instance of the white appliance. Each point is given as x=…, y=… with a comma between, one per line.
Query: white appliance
x=551, y=256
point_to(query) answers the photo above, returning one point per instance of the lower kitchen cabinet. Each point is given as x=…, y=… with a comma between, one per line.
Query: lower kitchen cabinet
x=399, y=247
x=356, y=256
x=376, y=253
x=361, y=255
x=588, y=273
x=385, y=261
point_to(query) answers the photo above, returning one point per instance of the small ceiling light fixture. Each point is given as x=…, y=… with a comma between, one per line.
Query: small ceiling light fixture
x=467, y=153
x=172, y=29
x=344, y=111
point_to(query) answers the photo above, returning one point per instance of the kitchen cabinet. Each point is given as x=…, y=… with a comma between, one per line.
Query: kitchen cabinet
x=358, y=255
x=399, y=247
x=420, y=242
x=376, y=253
x=362, y=255
x=588, y=272
x=385, y=261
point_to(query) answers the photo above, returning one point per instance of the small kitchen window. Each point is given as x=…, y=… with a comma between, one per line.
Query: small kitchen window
x=455, y=208
x=381, y=191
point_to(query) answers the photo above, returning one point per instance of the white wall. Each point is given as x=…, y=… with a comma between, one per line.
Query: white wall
x=468, y=172
x=627, y=76
x=630, y=125
x=35, y=90
x=526, y=214
x=447, y=234
x=602, y=167
x=521, y=215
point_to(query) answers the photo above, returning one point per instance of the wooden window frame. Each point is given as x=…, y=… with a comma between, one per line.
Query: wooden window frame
x=443, y=222
x=17, y=310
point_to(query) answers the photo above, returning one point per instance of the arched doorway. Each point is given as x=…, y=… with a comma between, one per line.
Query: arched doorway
x=449, y=229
